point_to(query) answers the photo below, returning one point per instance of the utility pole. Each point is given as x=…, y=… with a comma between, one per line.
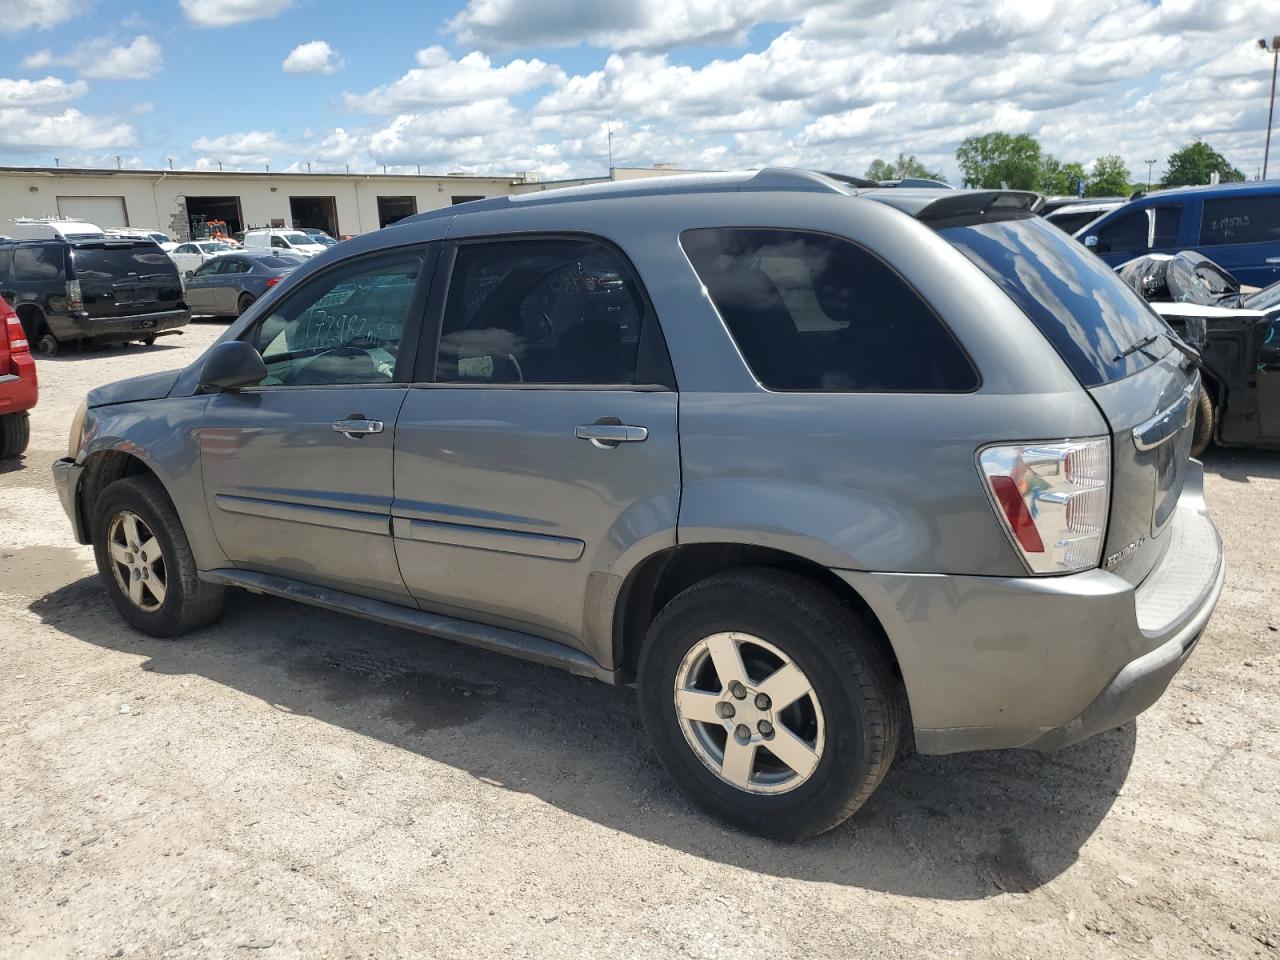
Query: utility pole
x=1150, y=164
x=1274, y=50
x=609, y=127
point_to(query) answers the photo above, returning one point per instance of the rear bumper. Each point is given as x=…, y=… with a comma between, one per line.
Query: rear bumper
x=132, y=327
x=66, y=478
x=993, y=662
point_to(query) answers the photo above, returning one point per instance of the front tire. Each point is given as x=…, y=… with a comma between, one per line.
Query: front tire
x=15, y=434
x=769, y=702
x=1206, y=418
x=145, y=561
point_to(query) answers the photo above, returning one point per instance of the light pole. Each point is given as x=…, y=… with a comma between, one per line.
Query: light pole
x=1150, y=164
x=1274, y=50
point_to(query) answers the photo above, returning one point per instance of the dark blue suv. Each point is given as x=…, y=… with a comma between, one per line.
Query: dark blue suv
x=1237, y=225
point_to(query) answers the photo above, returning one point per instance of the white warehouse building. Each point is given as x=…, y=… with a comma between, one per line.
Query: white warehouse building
x=173, y=201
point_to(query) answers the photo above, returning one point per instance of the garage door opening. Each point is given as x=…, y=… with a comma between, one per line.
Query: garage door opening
x=317, y=213
x=391, y=209
x=106, y=212
x=210, y=215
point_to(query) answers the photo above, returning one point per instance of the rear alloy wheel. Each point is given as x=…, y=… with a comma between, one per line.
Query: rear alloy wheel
x=15, y=434
x=769, y=702
x=145, y=561
x=244, y=303
x=47, y=344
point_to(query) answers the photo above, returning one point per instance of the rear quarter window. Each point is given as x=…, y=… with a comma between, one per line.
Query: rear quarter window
x=41, y=263
x=813, y=312
x=1075, y=300
x=1244, y=219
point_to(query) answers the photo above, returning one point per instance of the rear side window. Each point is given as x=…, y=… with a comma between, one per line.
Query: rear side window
x=812, y=312
x=1248, y=219
x=1091, y=316
x=1166, y=219
x=38, y=264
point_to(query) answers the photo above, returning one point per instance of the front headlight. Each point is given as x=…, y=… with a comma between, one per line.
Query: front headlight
x=77, y=430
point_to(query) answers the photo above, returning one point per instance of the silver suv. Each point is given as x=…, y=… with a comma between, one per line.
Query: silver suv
x=790, y=456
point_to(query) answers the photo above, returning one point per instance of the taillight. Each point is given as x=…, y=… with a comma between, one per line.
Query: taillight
x=13, y=332
x=272, y=281
x=75, y=301
x=1052, y=500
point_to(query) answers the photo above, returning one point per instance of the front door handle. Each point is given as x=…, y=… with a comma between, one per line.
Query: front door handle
x=607, y=435
x=356, y=427
x=1273, y=259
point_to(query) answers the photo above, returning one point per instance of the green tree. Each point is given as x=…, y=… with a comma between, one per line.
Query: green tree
x=1193, y=164
x=990, y=159
x=904, y=166
x=1110, y=177
x=1057, y=178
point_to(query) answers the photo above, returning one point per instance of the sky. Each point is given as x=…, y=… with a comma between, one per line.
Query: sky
x=514, y=86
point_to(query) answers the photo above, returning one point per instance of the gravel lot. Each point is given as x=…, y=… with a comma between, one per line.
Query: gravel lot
x=294, y=783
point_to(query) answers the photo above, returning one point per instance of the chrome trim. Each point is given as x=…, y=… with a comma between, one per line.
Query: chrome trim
x=357, y=427
x=609, y=435
x=523, y=544
x=1165, y=425
x=355, y=520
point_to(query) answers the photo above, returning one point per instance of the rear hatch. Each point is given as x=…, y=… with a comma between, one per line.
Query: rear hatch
x=120, y=278
x=1118, y=348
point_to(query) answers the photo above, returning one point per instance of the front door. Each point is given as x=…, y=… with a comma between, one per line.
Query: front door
x=298, y=470
x=543, y=457
x=201, y=288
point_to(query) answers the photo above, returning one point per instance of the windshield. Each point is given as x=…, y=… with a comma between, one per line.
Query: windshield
x=117, y=261
x=159, y=238
x=280, y=262
x=1265, y=299
x=297, y=239
x=1088, y=313
x=214, y=247
x=323, y=239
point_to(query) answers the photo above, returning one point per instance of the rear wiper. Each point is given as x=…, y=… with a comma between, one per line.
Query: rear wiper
x=1134, y=348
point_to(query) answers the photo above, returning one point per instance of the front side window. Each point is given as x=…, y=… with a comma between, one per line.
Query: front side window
x=344, y=326
x=187, y=248
x=1125, y=234
x=207, y=269
x=1247, y=219
x=1165, y=221
x=541, y=311
x=232, y=266
x=814, y=312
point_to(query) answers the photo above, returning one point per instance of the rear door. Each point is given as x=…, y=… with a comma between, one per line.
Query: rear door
x=125, y=277
x=1121, y=352
x=1242, y=233
x=540, y=448
x=298, y=470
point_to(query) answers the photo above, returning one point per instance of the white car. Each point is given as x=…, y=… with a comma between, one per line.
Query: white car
x=166, y=242
x=189, y=256
x=295, y=241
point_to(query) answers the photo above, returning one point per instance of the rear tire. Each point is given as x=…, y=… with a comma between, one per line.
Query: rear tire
x=1206, y=419
x=244, y=303
x=48, y=344
x=145, y=561
x=816, y=760
x=15, y=434
x=149, y=341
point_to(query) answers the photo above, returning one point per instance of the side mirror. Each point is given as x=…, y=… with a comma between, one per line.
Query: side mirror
x=189, y=274
x=230, y=366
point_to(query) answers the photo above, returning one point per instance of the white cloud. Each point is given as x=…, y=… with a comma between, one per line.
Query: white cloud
x=315, y=56
x=136, y=61
x=254, y=147
x=226, y=13
x=27, y=131
x=140, y=58
x=439, y=79
x=34, y=93
x=24, y=14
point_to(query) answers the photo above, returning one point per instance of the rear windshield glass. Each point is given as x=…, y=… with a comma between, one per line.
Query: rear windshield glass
x=278, y=261
x=113, y=262
x=1088, y=313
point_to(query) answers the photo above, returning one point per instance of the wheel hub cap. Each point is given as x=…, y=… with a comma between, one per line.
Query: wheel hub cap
x=137, y=561
x=749, y=713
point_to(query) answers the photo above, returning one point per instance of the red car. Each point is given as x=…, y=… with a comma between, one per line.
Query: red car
x=17, y=384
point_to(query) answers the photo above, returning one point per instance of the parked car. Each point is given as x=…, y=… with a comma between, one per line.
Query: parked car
x=163, y=240
x=927, y=449
x=294, y=241
x=1236, y=224
x=52, y=228
x=1237, y=334
x=228, y=285
x=18, y=386
x=94, y=289
x=319, y=236
x=916, y=182
x=1072, y=215
x=188, y=256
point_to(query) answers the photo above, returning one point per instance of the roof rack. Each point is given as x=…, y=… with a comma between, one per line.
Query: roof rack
x=770, y=179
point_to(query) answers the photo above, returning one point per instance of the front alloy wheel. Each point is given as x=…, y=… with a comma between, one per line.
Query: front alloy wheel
x=137, y=561
x=749, y=713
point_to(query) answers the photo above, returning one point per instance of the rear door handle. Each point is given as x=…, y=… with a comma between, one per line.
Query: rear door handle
x=356, y=427
x=606, y=435
x=1273, y=259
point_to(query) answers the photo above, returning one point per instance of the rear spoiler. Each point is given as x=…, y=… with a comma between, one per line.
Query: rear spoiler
x=955, y=208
